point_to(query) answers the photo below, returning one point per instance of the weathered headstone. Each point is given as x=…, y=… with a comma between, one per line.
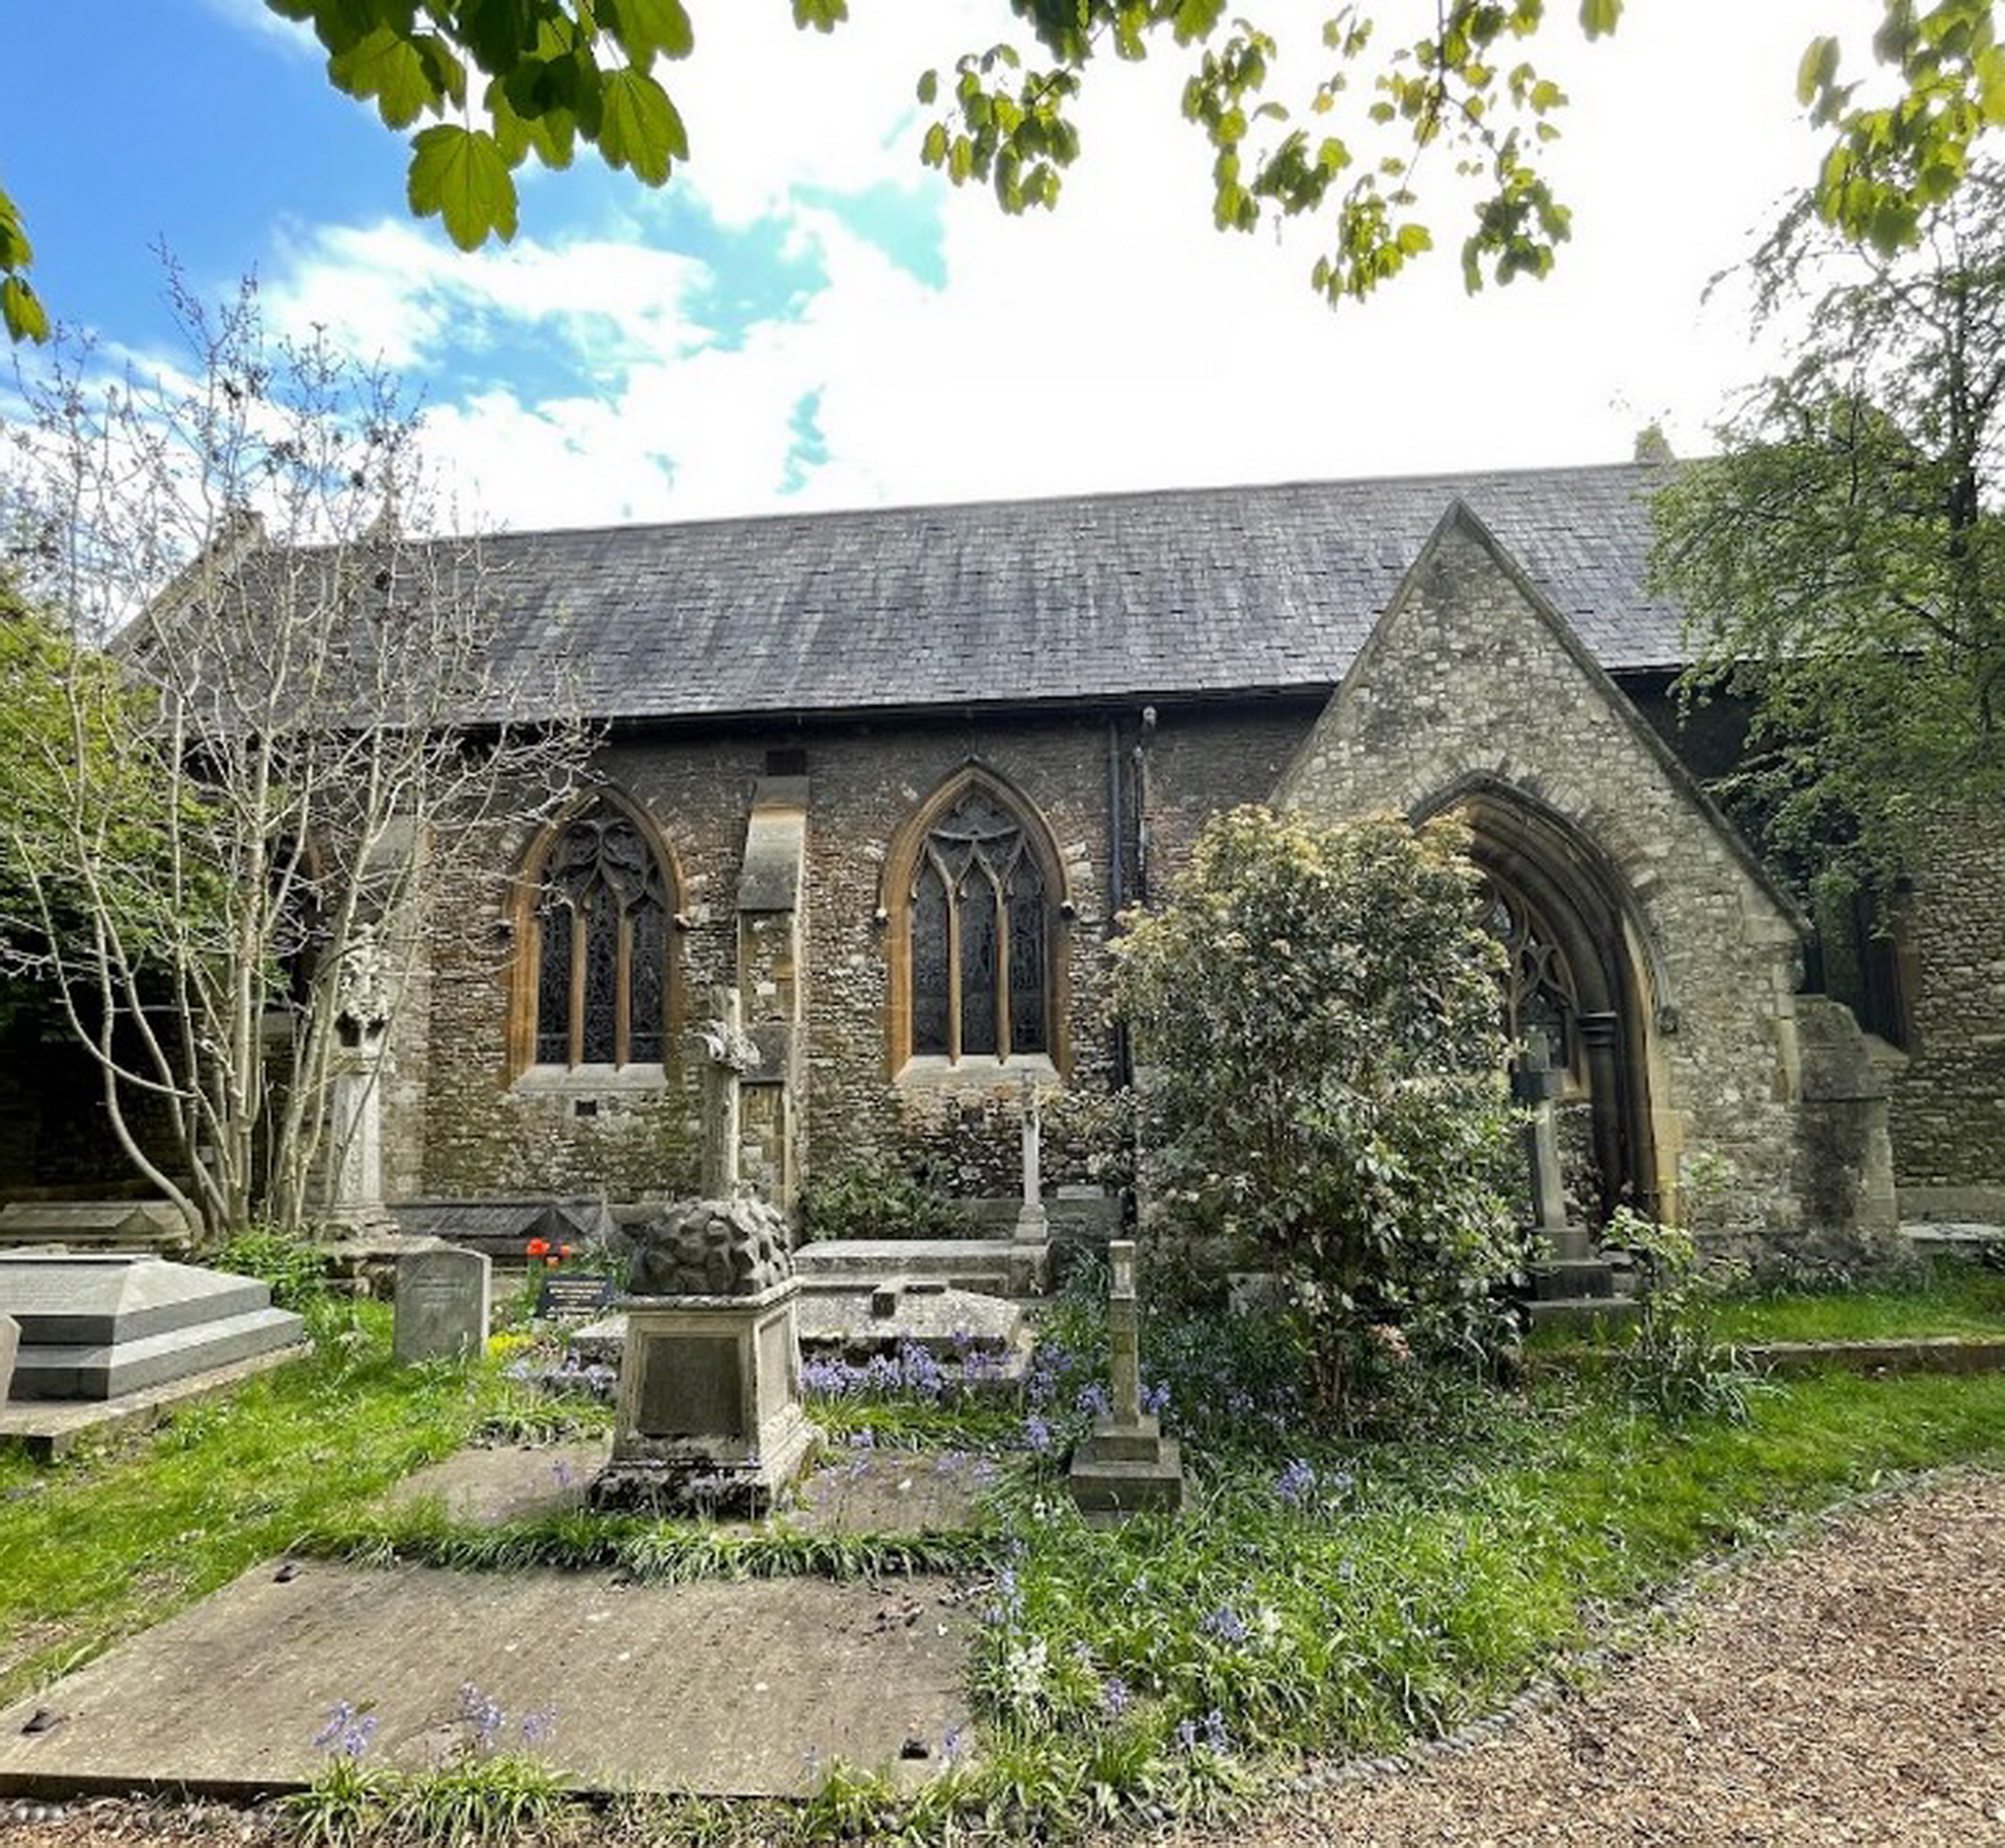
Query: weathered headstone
x=1127, y=1466
x=441, y=1304
x=10, y=1345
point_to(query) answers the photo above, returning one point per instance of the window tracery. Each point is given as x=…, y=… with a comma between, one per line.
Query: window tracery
x=602, y=947
x=1541, y=998
x=979, y=914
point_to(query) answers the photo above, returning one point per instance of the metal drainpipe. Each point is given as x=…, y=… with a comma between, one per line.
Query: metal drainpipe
x=1142, y=804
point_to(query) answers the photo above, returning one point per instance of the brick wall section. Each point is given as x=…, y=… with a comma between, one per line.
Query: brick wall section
x=1466, y=677
x=1949, y=1094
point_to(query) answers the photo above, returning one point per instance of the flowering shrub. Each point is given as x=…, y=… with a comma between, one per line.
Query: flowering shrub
x=1320, y=1007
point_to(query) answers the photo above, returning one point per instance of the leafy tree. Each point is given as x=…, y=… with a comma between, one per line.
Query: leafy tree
x=232, y=820
x=484, y=84
x=1842, y=560
x=1318, y=1010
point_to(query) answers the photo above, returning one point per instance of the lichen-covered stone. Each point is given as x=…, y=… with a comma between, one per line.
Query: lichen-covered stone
x=710, y=1248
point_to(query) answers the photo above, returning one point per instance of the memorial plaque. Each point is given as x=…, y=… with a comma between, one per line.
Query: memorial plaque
x=441, y=1304
x=559, y=1294
x=691, y=1386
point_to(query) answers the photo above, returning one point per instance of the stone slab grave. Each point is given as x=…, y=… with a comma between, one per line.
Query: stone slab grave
x=502, y=1228
x=441, y=1304
x=95, y=1224
x=856, y=1489
x=49, y=1429
x=98, y=1326
x=749, y=1689
x=984, y=1341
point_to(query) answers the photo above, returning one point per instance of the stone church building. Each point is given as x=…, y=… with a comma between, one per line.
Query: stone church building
x=894, y=774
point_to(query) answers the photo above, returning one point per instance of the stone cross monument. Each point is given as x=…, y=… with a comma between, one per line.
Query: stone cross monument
x=1030, y=1263
x=728, y=1054
x=1127, y=1466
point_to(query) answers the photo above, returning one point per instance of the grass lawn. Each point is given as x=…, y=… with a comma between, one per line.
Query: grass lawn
x=1948, y=1297
x=1325, y=1595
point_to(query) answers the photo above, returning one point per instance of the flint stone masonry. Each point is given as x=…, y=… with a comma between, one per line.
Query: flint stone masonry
x=98, y=1326
x=441, y=1304
x=1471, y=680
x=1948, y=1088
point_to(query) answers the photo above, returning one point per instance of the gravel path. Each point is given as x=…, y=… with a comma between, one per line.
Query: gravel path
x=1852, y=1690
x=1849, y=1691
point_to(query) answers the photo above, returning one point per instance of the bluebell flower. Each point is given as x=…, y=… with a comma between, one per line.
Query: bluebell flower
x=1225, y=1625
x=1037, y=1434
x=537, y=1727
x=1114, y=1696
x=1214, y=1731
x=1187, y=1734
x=1092, y=1401
x=1297, y=1484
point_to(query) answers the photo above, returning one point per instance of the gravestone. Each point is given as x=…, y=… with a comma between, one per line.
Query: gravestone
x=1127, y=1466
x=441, y=1304
x=96, y=1325
x=709, y=1413
x=10, y=1345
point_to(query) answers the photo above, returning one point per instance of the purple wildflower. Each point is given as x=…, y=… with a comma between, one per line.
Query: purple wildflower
x=537, y=1727
x=1037, y=1434
x=1114, y=1696
x=481, y=1713
x=1225, y=1625
x=1092, y=1401
x=1214, y=1731
x=1297, y=1484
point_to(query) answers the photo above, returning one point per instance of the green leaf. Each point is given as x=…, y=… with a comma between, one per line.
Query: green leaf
x=385, y=64
x=928, y=87
x=461, y=175
x=638, y=126
x=1598, y=17
x=1819, y=67
x=646, y=27
x=21, y=311
x=550, y=134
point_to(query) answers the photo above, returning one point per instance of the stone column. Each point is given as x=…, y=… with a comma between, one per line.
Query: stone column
x=1127, y=1466
x=728, y=1055
x=358, y=1137
x=1125, y=1335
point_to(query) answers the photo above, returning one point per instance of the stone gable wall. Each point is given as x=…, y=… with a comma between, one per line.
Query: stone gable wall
x=1465, y=679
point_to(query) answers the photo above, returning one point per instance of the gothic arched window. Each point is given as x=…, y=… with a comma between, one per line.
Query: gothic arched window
x=601, y=953
x=1541, y=999
x=979, y=905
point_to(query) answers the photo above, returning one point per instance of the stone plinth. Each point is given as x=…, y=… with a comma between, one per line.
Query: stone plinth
x=1127, y=1469
x=441, y=1311
x=709, y=1414
x=95, y=1326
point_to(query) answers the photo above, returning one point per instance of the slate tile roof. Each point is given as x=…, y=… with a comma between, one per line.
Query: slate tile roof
x=1186, y=593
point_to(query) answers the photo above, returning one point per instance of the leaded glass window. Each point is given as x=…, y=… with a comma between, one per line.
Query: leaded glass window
x=602, y=947
x=981, y=922
x=1541, y=1002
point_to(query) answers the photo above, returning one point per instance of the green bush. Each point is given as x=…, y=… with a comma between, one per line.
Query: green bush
x=873, y=1196
x=295, y=1268
x=1319, y=1007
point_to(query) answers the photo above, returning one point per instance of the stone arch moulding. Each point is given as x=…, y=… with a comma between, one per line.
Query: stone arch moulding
x=974, y=778
x=1532, y=849
x=524, y=933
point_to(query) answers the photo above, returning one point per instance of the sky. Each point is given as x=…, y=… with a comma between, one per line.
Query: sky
x=805, y=318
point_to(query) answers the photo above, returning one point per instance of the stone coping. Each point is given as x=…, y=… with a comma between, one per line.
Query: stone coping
x=1912, y=1354
x=757, y=1299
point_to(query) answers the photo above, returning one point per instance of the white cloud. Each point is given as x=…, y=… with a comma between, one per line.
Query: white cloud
x=255, y=17
x=1119, y=342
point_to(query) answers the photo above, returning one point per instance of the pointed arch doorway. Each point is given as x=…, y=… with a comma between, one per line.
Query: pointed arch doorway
x=1578, y=981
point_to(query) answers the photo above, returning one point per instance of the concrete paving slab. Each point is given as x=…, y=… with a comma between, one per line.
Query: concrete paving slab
x=49, y=1428
x=723, y=1689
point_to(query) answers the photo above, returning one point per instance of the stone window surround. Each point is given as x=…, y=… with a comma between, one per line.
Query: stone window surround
x=978, y=1071
x=526, y=1073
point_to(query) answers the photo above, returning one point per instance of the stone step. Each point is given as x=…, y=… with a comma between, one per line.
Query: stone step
x=1555, y=1280
x=1575, y=1311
